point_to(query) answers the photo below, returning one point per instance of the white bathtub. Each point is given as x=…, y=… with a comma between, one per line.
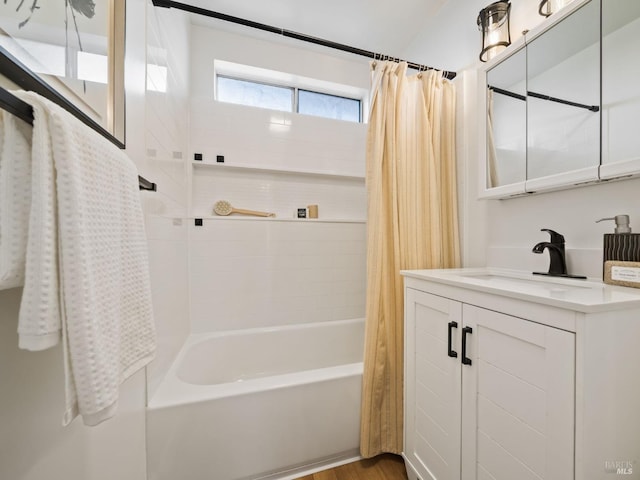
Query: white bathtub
x=272, y=403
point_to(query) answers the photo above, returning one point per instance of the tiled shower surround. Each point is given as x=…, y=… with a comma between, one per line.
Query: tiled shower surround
x=248, y=273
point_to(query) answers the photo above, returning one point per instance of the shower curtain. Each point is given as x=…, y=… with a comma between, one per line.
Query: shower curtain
x=411, y=224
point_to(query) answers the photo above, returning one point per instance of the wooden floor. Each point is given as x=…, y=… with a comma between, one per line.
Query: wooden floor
x=382, y=467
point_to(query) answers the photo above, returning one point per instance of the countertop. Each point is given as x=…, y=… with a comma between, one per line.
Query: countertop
x=587, y=296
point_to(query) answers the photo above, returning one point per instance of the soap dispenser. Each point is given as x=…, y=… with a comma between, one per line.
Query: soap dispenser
x=622, y=224
x=621, y=245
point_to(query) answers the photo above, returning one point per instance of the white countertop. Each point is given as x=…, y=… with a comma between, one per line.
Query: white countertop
x=587, y=296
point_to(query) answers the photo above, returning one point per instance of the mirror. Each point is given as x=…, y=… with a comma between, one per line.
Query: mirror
x=620, y=83
x=71, y=52
x=563, y=95
x=507, y=121
x=543, y=105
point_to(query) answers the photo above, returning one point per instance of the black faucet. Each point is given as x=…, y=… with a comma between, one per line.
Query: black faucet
x=558, y=264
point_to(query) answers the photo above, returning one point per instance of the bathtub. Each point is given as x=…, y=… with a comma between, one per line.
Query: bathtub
x=268, y=403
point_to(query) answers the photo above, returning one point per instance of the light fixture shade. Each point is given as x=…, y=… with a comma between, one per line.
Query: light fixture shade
x=493, y=22
x=548, y=7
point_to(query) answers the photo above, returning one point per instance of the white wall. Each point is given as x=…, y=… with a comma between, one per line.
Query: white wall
x=33, y=443
x=166, y=132
x=278, y=54
x=338, y=198
x=259, y=137
x=514, y=225
x=261, y=273
x=255, y=273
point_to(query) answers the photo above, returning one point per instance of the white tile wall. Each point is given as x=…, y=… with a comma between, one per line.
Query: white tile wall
x=166, y=112
x=168, y=267
x=282, y=194
x=253, y=273
x=166, y=141
x=259, y=137
x=249, y=273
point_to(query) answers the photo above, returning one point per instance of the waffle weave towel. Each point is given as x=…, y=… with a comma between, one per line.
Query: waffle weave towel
x=87, y=272
x=15, y=198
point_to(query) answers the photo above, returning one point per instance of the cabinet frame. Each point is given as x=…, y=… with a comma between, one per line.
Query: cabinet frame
x=454, y=454
x=607, y=355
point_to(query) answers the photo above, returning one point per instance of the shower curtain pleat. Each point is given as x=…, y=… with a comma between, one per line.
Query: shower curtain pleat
x=491, y=145
x=411, y=224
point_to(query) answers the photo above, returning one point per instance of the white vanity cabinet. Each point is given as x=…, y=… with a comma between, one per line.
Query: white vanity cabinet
x=502, y=387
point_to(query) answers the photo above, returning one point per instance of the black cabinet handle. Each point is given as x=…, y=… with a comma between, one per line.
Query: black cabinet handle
x=465, y=359
x=451, y=353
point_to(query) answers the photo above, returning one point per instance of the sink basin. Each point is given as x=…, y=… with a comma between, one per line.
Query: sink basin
x=548, y=283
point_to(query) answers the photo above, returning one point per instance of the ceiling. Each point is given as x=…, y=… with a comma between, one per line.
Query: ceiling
x=382, y=26
x=440, y=33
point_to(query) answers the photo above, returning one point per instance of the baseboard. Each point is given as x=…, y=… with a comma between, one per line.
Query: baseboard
x=303, y=470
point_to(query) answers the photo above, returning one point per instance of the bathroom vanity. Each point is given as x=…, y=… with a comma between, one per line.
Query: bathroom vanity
x=514, y=376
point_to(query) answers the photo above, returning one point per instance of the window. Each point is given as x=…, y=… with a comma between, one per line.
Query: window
x=253, y=94
x=328, y=106
x=287, y=98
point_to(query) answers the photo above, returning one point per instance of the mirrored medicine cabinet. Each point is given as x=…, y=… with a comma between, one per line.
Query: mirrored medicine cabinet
x=563, y=103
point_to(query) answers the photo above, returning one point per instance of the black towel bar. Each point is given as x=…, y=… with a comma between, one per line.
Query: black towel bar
x=23, y=110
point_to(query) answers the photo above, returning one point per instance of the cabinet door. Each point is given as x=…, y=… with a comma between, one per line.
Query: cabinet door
x=620, y=88
x=432, y=386
x=518, y=399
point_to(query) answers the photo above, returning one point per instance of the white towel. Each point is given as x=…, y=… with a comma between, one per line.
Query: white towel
x=15, y=198
x=87, y=272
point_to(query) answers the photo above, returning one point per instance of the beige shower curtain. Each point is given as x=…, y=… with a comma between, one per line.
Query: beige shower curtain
x=411, y=224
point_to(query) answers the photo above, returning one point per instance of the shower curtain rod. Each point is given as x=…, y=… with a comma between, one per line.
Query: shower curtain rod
x=592, y=108
x=24, y=111
x=291, y=34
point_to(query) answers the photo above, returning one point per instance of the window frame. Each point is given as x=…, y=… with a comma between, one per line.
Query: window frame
x=359, y=100
x=257, y=82
x=295, y=89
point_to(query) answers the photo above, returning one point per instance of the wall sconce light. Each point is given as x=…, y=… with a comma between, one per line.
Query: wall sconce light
x=548, y=7
x=493, y=22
